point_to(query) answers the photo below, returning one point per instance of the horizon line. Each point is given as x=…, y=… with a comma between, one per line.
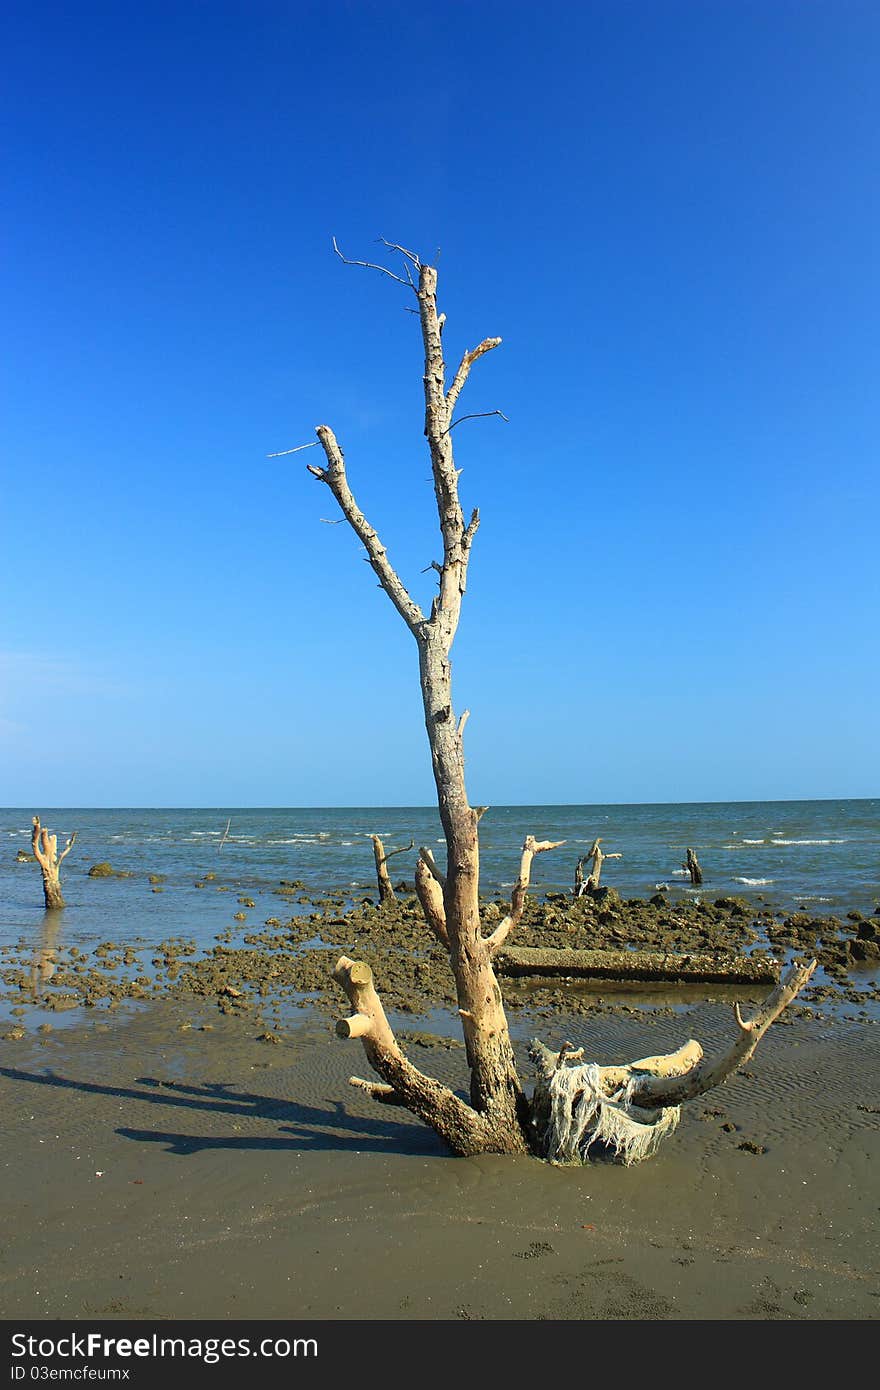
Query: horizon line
x=431, y=806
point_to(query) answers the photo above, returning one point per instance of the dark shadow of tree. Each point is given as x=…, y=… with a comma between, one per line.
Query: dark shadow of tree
x=309, y=1127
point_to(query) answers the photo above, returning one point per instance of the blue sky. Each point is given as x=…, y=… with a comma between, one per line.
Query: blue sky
x=669, y=212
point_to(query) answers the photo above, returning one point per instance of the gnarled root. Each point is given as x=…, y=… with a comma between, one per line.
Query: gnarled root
x=630, y=1109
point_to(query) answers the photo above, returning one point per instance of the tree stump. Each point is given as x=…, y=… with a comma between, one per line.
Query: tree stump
x=693, y=867
x=386, y=888
x=45, y=847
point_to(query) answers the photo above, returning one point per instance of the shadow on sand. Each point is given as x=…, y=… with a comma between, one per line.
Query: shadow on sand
x=310, y=1128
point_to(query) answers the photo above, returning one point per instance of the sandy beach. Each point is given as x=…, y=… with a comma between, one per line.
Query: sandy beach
x=157, y=1168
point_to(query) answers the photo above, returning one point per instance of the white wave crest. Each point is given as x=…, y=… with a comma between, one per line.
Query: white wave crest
x=808, y=842
x=754, y=882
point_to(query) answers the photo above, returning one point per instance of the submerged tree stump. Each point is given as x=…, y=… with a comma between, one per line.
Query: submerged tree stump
x=45, y=847
x=693, y=867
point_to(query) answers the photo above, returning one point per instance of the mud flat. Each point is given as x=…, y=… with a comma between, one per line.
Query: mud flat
x=164, y=1162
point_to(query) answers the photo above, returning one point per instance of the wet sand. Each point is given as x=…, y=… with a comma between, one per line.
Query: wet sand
x=153, y=1169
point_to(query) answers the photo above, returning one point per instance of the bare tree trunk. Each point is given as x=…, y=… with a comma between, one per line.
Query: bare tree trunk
x=383, y=879
x=45, y=848
x=496, y=1092
x=693, y=868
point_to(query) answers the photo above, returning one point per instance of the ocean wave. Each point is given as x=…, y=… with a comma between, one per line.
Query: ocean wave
x=681, y=873
x=754, y=882
x=753, y=842
x=808, y=842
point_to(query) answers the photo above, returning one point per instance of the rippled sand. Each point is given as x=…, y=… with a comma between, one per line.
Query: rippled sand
x=153, y=1170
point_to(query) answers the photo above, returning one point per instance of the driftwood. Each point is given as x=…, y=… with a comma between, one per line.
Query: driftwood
x=381, y=856
x=693, y=868
x=45, y=847
x=637, y=965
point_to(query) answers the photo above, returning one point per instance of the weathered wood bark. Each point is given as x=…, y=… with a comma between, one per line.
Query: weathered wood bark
x=637, y=965
x=596, y=857
x=499, y=1117
x=693, y=868
x=45, y=847
x=383, y=878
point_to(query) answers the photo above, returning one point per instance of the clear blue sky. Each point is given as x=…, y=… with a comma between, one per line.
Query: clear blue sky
x=669, y=212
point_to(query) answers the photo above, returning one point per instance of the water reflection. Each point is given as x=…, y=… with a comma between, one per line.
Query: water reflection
x=45, y=961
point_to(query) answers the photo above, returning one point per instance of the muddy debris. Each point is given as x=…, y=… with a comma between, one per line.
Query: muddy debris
x=290, y=962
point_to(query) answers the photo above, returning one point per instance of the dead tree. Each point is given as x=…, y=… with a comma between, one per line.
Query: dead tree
x=693, y=868
x=45, y=847
x=381, y=856
x=597, y=857
x=500, y=1118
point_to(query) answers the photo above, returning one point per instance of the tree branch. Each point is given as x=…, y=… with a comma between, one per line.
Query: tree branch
x=68, y=847
x=410, y=255
x=369, y=265
x=463, y=1129
x=530, y=848
x=457, y=537
x=40, y=845
x=298, y=450
x=654, y=1092
x=464, y=369
x=477, y=415
x=335, y=478
x=429, y=859
x=430, y=894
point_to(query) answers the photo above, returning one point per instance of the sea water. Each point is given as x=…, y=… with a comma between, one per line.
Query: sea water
x=823, y=856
